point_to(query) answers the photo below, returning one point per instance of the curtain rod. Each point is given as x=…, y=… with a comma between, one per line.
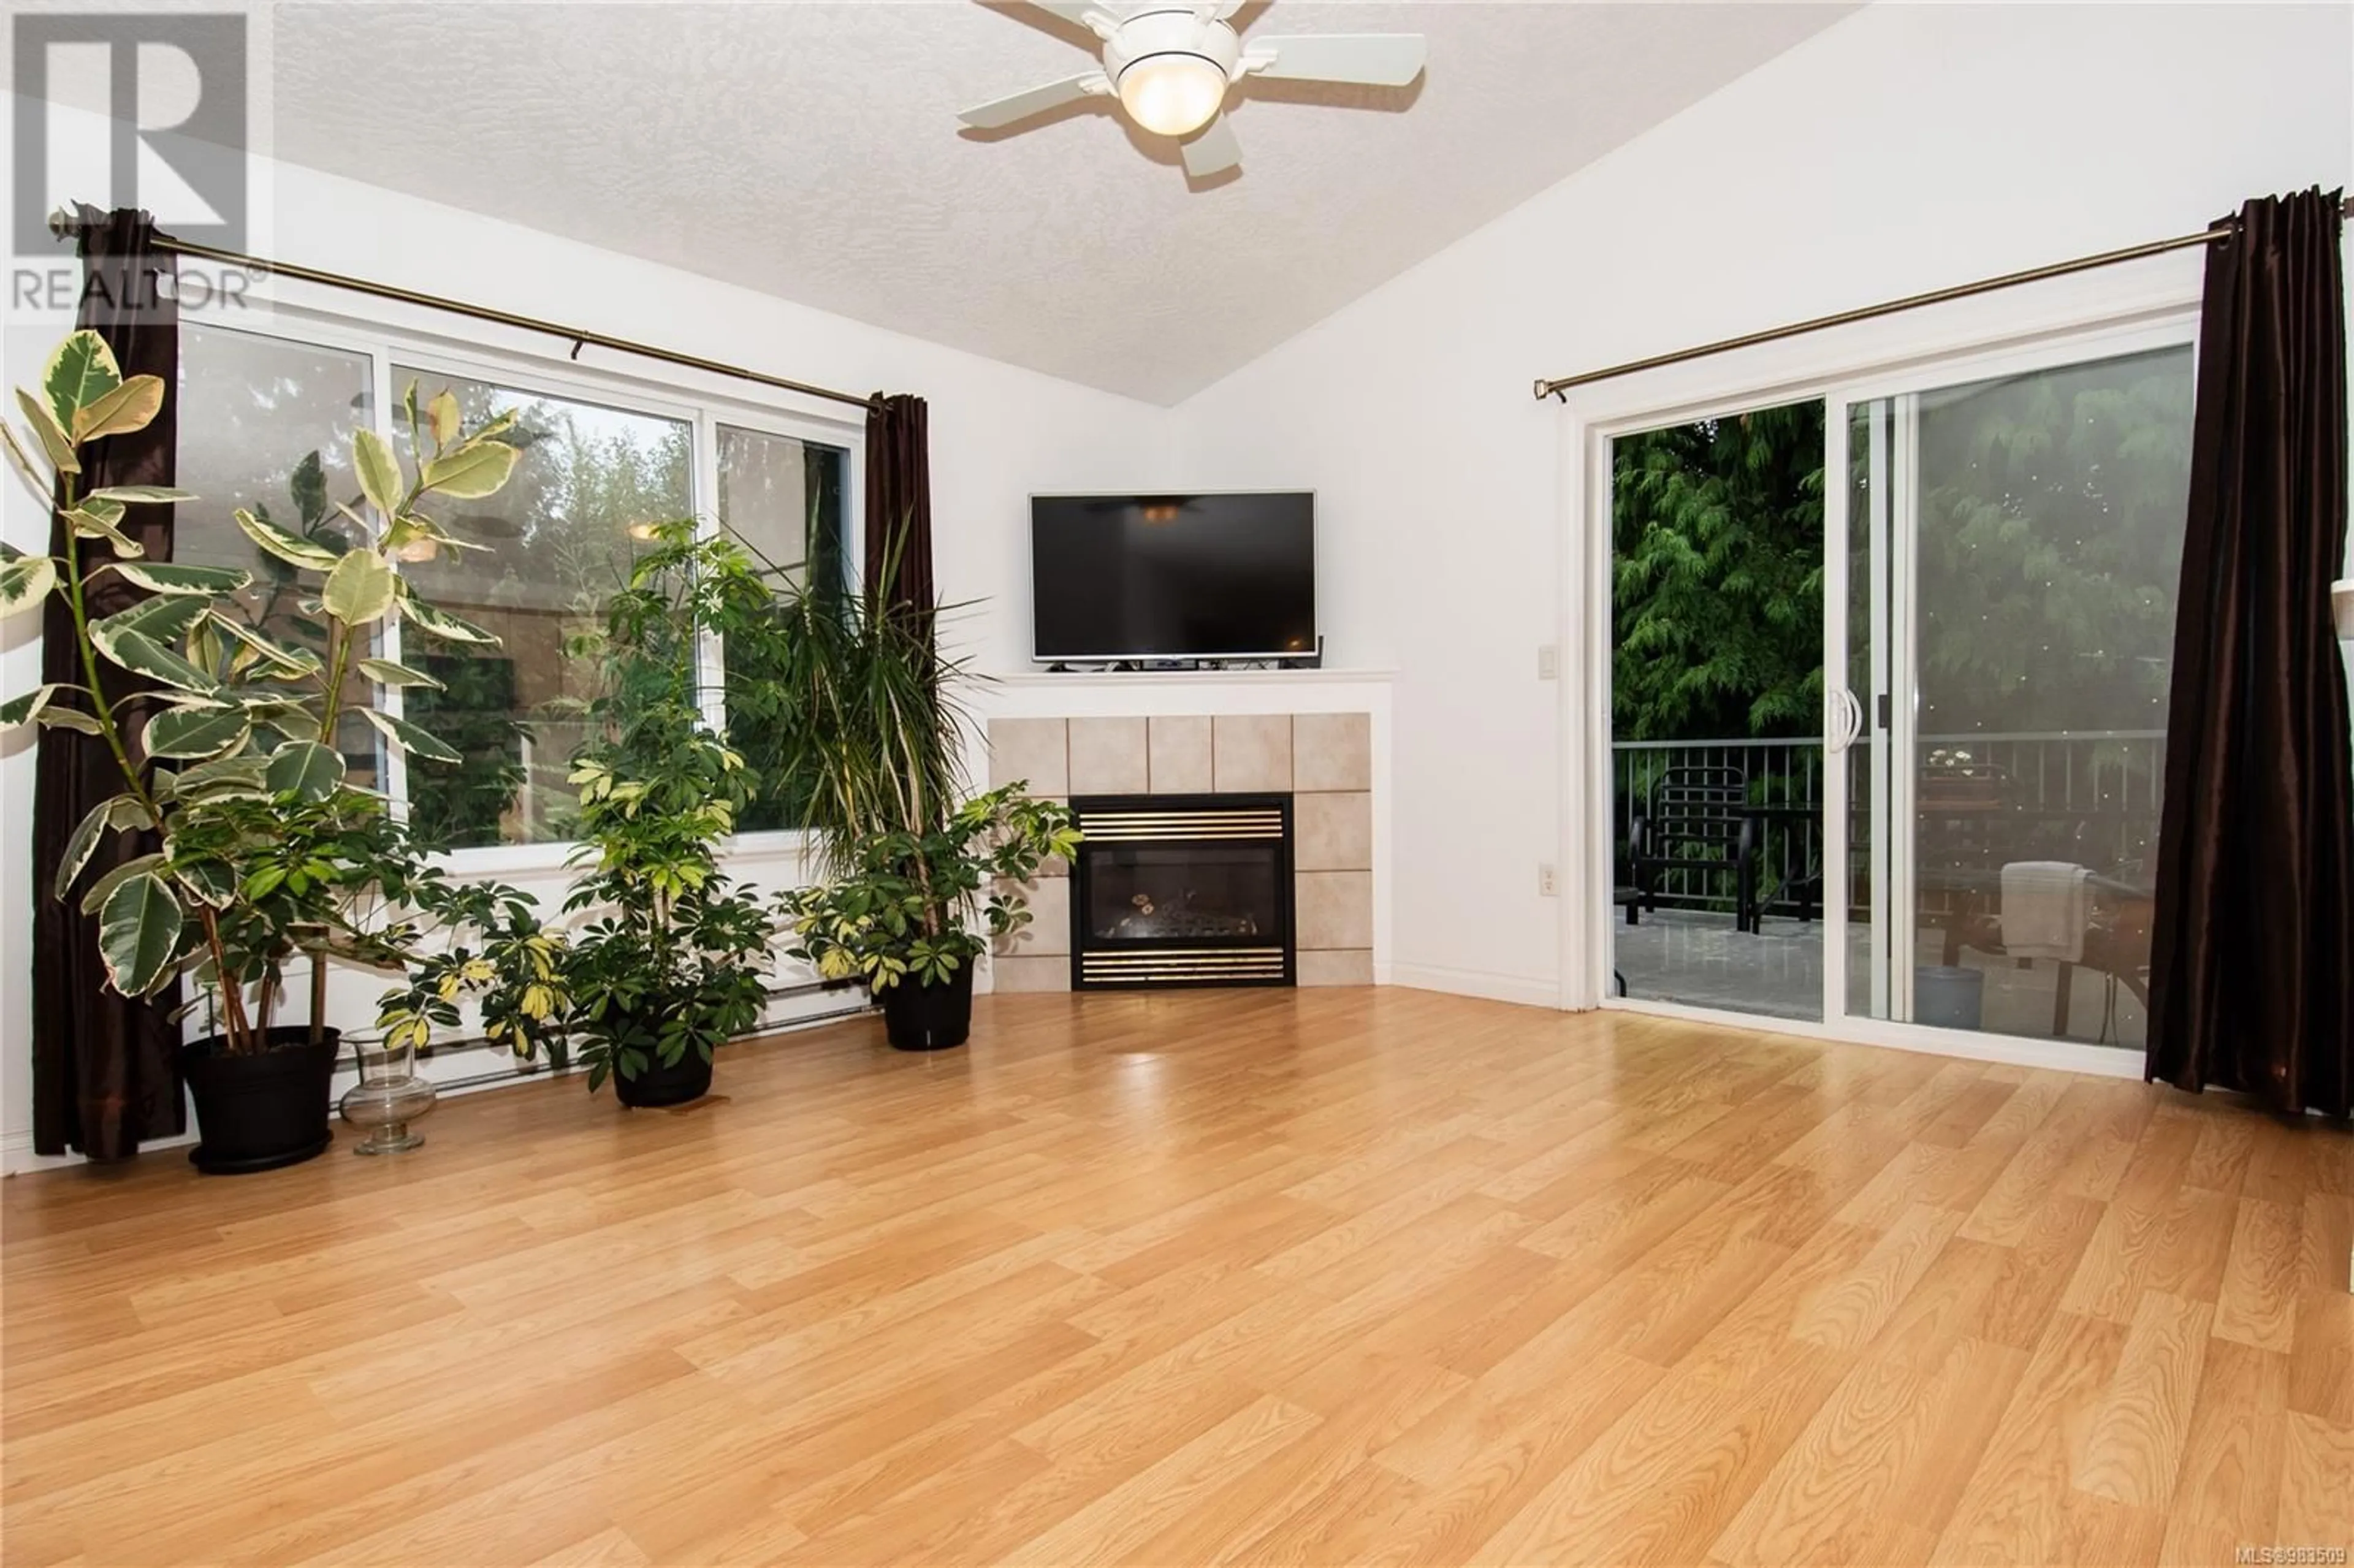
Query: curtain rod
x=63, y=225
x=1559, y=386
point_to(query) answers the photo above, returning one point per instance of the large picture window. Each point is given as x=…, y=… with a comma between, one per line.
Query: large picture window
x=267, y=421
x=266, y=424
x=782, y=498
x=590, y=486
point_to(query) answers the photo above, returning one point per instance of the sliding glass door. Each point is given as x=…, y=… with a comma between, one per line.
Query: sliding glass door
x=1717, y=681
x=2001, y=561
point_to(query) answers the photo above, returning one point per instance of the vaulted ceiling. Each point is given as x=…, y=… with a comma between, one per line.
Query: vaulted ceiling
x=812, y=151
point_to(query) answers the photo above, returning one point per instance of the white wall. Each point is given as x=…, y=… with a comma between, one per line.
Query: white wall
x=1904, y=149
x=997, y=433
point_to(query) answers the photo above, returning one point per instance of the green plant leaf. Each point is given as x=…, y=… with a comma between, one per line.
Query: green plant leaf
x=83, y=842
x=473, y=471
x=410, y=738
x=97, y=519
x=291, y=548
x=143, y=655
x=442, y=413
x=24, y=709
x=43, y=485
x=80, y=372
x=166, y=618
x=97, y=892
x=275, y=723
x=378, y=470
x=361, y=588
x=139, y=933
x=161, y=577
x=310, y=770
x=244, y=772
x=59, y=716
x=209, y=880
x=55, y=443
x=141, y=495
x=196, y=733
x=384, y=672
x=24, y=582
x=284, y=657
x=442, y=624
x=131, y=406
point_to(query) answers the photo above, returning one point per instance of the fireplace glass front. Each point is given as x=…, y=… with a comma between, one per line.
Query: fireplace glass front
x=1182, y=890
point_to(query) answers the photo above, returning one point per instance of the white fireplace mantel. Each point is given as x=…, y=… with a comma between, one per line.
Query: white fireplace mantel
x=1144, y=693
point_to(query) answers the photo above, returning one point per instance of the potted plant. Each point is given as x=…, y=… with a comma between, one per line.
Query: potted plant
x=901, y=914
x=225, y=738
x=865, y=736
x=671, y=962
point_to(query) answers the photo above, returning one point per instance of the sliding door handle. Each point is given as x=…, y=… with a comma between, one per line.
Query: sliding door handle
x=1839, y=716
x=1844, y=720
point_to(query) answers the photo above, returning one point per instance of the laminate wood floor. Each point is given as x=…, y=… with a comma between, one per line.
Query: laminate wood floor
x=1327, y=1276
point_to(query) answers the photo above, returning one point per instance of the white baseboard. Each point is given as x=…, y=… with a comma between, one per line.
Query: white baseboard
x=1520, y=988
x=467, y=1070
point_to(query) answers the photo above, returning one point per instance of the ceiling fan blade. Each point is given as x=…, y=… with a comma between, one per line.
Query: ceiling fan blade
x=1078, y=11
x=1377, y=59
x=1037, y=100
x=1212, y=151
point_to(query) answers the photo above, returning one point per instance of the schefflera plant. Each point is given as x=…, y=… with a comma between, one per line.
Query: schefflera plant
x=225, y=734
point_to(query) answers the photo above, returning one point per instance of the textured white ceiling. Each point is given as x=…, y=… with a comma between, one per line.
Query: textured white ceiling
x=812, y=151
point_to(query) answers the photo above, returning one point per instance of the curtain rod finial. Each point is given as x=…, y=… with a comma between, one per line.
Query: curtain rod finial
x=1542, y=389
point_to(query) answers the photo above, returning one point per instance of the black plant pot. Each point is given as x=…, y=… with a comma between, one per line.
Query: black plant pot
x=657, y=1085
x=261, y=1111
x=929, y=1017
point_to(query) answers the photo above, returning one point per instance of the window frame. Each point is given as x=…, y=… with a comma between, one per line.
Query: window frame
x=634, y=391
x=712, y=655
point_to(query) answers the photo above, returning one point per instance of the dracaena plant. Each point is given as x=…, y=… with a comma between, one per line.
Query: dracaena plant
x=225, y=735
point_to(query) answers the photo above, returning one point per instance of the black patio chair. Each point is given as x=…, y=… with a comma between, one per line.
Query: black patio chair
x=1696, y=819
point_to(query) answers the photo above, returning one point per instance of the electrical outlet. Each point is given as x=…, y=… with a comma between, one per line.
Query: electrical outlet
x=1548, y=884
x=1549, y=663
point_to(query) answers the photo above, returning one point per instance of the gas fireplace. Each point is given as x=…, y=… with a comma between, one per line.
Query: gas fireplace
x=1182, y=890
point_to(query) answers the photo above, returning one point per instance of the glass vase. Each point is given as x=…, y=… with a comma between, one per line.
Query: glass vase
x=388, y=1097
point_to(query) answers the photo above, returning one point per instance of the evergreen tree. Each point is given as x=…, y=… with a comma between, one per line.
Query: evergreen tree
x=2052, y=546
x=1718, y=576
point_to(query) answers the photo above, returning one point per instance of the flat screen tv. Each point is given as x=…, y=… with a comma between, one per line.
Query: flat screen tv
x=1217, y=576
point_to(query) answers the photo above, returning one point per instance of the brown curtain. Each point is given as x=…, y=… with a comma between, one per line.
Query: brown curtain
x=2252, y=966
x=899, y=570
x=105, y=1070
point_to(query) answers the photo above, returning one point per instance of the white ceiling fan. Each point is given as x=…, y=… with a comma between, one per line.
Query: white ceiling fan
x=1171, y=67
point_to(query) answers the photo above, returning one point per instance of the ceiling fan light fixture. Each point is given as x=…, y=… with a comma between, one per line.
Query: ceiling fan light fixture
x=1173, y=93
x=1172, y=62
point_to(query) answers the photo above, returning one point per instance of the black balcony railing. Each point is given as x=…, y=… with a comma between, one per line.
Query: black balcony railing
x=2090, y=797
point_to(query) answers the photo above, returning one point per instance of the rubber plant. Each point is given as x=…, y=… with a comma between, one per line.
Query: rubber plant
x=224, y=734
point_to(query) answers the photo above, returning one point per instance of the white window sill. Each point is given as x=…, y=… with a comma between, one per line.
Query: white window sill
x=554, y=859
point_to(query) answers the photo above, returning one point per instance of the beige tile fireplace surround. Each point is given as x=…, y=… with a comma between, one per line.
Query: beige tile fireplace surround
x=1324, y=760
